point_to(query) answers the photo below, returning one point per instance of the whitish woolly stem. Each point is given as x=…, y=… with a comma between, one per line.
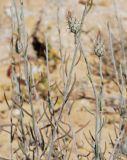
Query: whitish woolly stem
x=60, y=45
x=112, y=54
x=121, y=34
x=66, y=88
x=114, y=154
x=98, y=99
x=99, y=116
x=77, y=43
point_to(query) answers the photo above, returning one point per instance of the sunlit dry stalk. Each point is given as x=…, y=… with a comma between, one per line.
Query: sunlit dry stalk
x=121, y=34
x=50, y=103
x=99, y=51
x=122, y=112
x=112, y=54
x=15, y=82
x=69, y=77
x=122, y=109
x=74, y=143
x=60, y=46
x=55, y=145
x=121, y=131
x=76, y=28
x=115, y=152
x=21, y=48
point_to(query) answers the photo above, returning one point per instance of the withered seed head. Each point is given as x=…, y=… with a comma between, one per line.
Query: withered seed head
x=99, y=48
x=73, y=23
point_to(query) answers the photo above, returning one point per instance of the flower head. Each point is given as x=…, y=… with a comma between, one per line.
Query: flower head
x=73, y=23
x=99, y=47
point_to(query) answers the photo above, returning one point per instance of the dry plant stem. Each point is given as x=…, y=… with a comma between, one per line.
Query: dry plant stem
x=98, y=99
x=115, y=151
x=24, y=43
x=11, y=135
x=112, y=54
x=67, y=83
x=101, y=92
x=122, y=100
x=18, y=91
x=11, y=128
x=121, y=34
x=50, y=103
x=28, y=80
x=27, y=71
x=88, y=70
x=113, y=155
x=74, y=139
x=121, y=124
x=16, y=11
x=99, y=112
x=34, y=87
x=121, y=132
x=51, y=106
x=34, y=123
x=15, y=83
x=60, y=46
x=77, y=44
x=77, y=38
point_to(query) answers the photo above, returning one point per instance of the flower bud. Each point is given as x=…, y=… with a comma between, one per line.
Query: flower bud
x=73, y=23
x=99, y=47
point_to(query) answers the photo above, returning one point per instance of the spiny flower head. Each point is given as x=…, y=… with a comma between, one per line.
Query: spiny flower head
x=73, y=23
x=99, y=48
